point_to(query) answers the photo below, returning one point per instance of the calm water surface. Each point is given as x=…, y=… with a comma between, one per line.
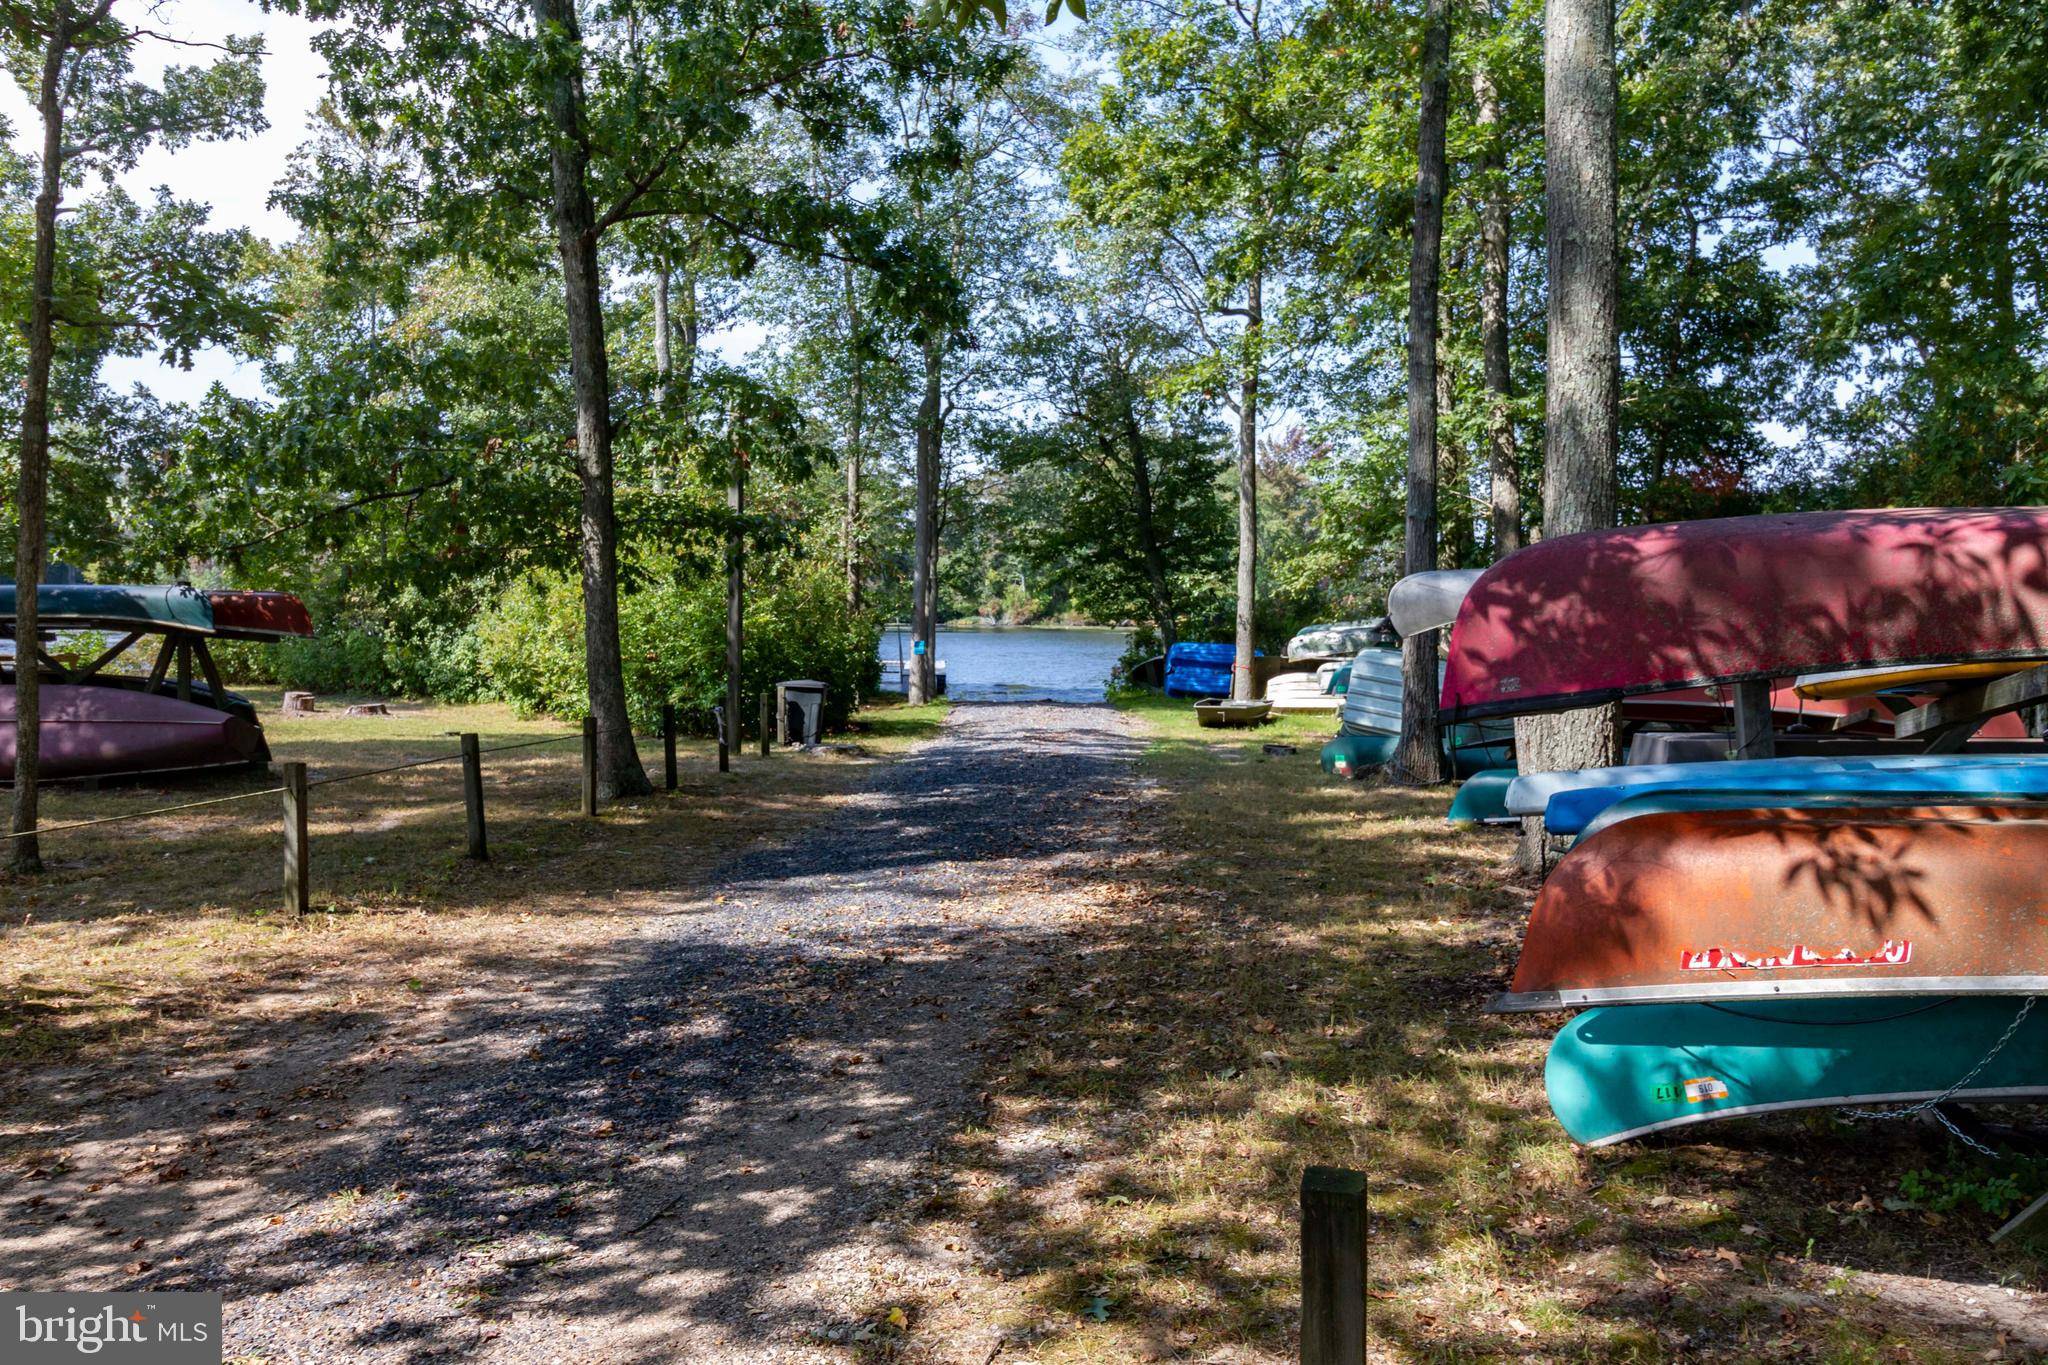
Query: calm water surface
x=1027, y=663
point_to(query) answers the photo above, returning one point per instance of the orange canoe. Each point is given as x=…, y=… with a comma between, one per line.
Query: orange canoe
x=1760, y=905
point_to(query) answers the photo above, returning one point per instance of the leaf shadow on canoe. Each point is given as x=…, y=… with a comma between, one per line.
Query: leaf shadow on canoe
x=1644, y=608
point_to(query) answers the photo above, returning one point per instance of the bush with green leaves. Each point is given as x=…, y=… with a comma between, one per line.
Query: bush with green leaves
x=672, y=636
x=401, y=645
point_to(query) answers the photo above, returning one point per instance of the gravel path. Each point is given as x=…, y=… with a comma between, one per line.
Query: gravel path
x=669, y=1153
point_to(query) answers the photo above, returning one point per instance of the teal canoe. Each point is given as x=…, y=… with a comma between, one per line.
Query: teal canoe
x=1483, y=799
x=1663, y=802
x=116, y=606
x=1354, y=756
x=1626, y=1071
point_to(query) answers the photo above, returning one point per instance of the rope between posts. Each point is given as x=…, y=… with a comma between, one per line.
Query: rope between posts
x=442, y=758
x=273, y=791
x=143, y=814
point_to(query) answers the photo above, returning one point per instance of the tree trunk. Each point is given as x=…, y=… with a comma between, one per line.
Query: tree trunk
x=33, y=491
x=1244, y=672
x=1580, y=438
x=923, y=684
x=618, y=763
x=1418, y=756
x=1454, y=513
x=1505, y=510
x=687, y=326
x=1142, y=513
x=856, y=433
x=735, y=600
x=664, y=363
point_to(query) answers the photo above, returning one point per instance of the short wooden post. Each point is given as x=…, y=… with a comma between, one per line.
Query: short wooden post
x=668, y=746
x=1753, y=737
x=590, y=767
x=1332, y=1266
x=724, y=749
x=767, y=721
x=473, y=797
x=297, y=898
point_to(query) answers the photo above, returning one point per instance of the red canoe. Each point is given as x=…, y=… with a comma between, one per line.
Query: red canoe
x=1762, y=905
x=1589, y=618
x=92, y=731
x=258, y=615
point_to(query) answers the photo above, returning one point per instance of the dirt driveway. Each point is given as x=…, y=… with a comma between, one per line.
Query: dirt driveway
x=666, y=1150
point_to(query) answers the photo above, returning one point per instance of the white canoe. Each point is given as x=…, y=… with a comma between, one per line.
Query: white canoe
x=1429, y=601
x=1298, y=692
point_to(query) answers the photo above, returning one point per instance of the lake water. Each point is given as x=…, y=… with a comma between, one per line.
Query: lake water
x=1027, y=663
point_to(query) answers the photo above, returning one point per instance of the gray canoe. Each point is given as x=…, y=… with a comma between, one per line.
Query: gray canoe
x=1429, y=601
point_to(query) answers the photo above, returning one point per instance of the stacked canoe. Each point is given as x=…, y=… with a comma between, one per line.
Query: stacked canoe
x=1862, y=920
x=96, y=721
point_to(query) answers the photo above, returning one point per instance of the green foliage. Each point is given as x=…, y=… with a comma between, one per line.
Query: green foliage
x=672, y=633
x=1959, y=1187
x=1912, y=164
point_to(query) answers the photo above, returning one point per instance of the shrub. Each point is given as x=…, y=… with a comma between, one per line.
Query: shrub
x=401, y=645
x=529, y=645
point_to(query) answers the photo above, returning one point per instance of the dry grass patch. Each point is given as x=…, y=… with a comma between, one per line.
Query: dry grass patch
x=1292, y=974
x=169, y=930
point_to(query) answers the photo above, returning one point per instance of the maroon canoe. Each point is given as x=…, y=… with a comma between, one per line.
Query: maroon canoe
x=93, y=731
x=1588, y=618
x=1761, y=905
x=240, y=615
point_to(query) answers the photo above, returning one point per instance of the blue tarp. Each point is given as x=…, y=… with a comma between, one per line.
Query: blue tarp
x=1200, y=670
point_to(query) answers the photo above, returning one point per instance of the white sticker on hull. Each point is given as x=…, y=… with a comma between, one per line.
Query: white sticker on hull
x=1896, y=952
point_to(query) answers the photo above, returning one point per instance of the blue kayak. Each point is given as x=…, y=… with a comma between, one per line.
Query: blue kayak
x=1569, y=812
x=1532, y=792
x=1736, y=798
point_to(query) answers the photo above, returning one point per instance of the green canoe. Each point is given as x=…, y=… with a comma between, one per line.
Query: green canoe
x=1353, y=754
x=1483, y=799
x=116, y=606
x=1350, y=755
x=1625, y=1071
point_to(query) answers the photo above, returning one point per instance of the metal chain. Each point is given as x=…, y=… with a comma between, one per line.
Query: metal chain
x=1925, y=1106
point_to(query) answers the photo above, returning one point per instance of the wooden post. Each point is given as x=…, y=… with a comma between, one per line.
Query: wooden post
x=590, y=767
x=1753, y=737
x=768, y=723
x=162, y=667
x=724, y=749
x=668, y=746
x=296, y=883
x=1332, y=1266
x=211, y=672
x=473, y=797
x=1946, y=723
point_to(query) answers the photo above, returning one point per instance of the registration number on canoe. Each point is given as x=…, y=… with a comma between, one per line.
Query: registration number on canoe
x=1698, y=1090
x=1896, y=952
